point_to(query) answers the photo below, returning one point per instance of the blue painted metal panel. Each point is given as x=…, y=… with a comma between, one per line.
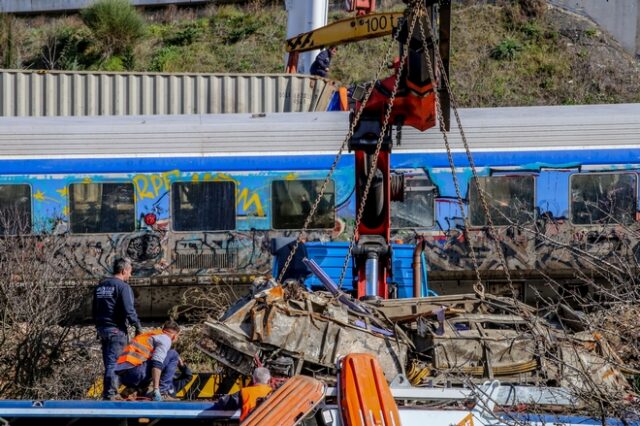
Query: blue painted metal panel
x=108, y=409
x=330, y=257
x=522, y=160
x=163, y=164
x=559, y=419
x=402, y=269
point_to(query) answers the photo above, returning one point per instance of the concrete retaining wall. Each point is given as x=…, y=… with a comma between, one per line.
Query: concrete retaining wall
x=621, y=18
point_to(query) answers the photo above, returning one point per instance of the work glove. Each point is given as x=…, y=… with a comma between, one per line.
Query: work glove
x=138, y=330
x=156, y=396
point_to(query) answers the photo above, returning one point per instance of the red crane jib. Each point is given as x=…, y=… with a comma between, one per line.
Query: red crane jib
x=415, y=107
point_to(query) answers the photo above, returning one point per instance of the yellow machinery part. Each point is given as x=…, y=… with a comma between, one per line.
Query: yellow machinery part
x=504, y=370
x=201, y=386
x=416, y=374
x=345, y=31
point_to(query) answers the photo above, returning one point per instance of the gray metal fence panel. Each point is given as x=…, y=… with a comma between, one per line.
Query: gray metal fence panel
x=58, y=93
x=35, y=6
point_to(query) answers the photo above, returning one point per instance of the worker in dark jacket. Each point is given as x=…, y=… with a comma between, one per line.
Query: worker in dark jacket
x=248, y=398
x=113, y=310
x=171, y=384
x=320, y=66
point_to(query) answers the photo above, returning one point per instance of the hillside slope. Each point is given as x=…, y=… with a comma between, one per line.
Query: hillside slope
x=499, y=56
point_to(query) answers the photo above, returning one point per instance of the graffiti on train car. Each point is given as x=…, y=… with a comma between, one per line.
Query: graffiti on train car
x=552, y=218
x=142, y=205
x=181, y=228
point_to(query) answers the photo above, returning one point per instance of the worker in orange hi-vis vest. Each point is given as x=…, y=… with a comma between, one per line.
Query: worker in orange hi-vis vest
x=247, y=399
x=148, y=359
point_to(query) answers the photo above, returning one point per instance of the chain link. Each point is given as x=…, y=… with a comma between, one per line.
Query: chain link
x=336, y=160
x=418, y=8
x=478, y=287
x=374, y=163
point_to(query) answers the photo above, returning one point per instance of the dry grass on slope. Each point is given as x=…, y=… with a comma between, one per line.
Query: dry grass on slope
x=559, y=58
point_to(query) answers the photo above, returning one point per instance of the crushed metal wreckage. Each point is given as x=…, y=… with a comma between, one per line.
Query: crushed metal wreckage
x=431, y=341
x=306, y=332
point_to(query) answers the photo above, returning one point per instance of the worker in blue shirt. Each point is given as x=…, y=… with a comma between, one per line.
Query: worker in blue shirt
x=320, y=66
x=113, y=310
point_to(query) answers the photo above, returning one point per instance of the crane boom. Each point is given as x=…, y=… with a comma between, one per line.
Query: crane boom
x=406, y=98
x=341, y=32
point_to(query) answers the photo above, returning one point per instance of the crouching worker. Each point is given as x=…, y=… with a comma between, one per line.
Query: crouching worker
x=248, y=398
x=148, y=359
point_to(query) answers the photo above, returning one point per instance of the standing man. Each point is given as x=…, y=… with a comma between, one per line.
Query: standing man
x=320, y=66
x=148, y=359
x=113, y=310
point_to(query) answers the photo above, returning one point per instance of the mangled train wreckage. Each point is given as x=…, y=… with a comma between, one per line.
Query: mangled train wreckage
x=437, y=341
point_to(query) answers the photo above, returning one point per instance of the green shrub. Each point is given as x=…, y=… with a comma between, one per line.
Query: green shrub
x=8, y=45
x=232, y=25
x=114, y=63
x=184, y=36
x=115, y=25
x=591, y=32
x=66, y=48
x=507, y=49
x=532, y=30
x=165, y=59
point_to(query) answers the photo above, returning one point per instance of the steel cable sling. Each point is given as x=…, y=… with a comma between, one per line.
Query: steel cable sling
x=333, y=167
x=478, y=286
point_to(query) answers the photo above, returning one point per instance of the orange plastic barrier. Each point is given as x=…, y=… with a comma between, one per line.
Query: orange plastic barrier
x=365, y=397
x=289, y=404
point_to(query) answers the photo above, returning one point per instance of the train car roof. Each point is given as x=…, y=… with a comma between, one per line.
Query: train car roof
x=487, y=129
x=536, y=128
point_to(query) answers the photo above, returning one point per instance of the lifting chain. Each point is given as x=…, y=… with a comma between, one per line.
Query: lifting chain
x=336, y=161
x=478, y=287
x=374, y=163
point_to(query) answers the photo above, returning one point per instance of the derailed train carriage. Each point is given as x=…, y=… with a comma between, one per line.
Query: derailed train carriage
x=195, y=200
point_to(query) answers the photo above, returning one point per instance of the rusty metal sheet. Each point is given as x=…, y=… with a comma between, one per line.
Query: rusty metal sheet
x=315, y=330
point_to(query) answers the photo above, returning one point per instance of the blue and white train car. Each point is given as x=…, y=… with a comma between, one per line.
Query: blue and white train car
x=195, y=200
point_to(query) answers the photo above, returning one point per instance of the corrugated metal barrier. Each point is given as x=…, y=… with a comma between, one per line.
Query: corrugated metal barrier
x=35, y=6
x=59, y=93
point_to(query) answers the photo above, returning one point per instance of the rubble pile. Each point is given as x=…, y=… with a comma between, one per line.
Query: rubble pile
x=306, y=334
x=433, y=341
x=621, y=328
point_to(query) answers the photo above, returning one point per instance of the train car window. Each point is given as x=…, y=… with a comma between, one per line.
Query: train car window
x=292, y=201
x=417, y=209
x=203, y=206
x=100, y=208
x=510, y=200
x=603, y=198
x=15, y=209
